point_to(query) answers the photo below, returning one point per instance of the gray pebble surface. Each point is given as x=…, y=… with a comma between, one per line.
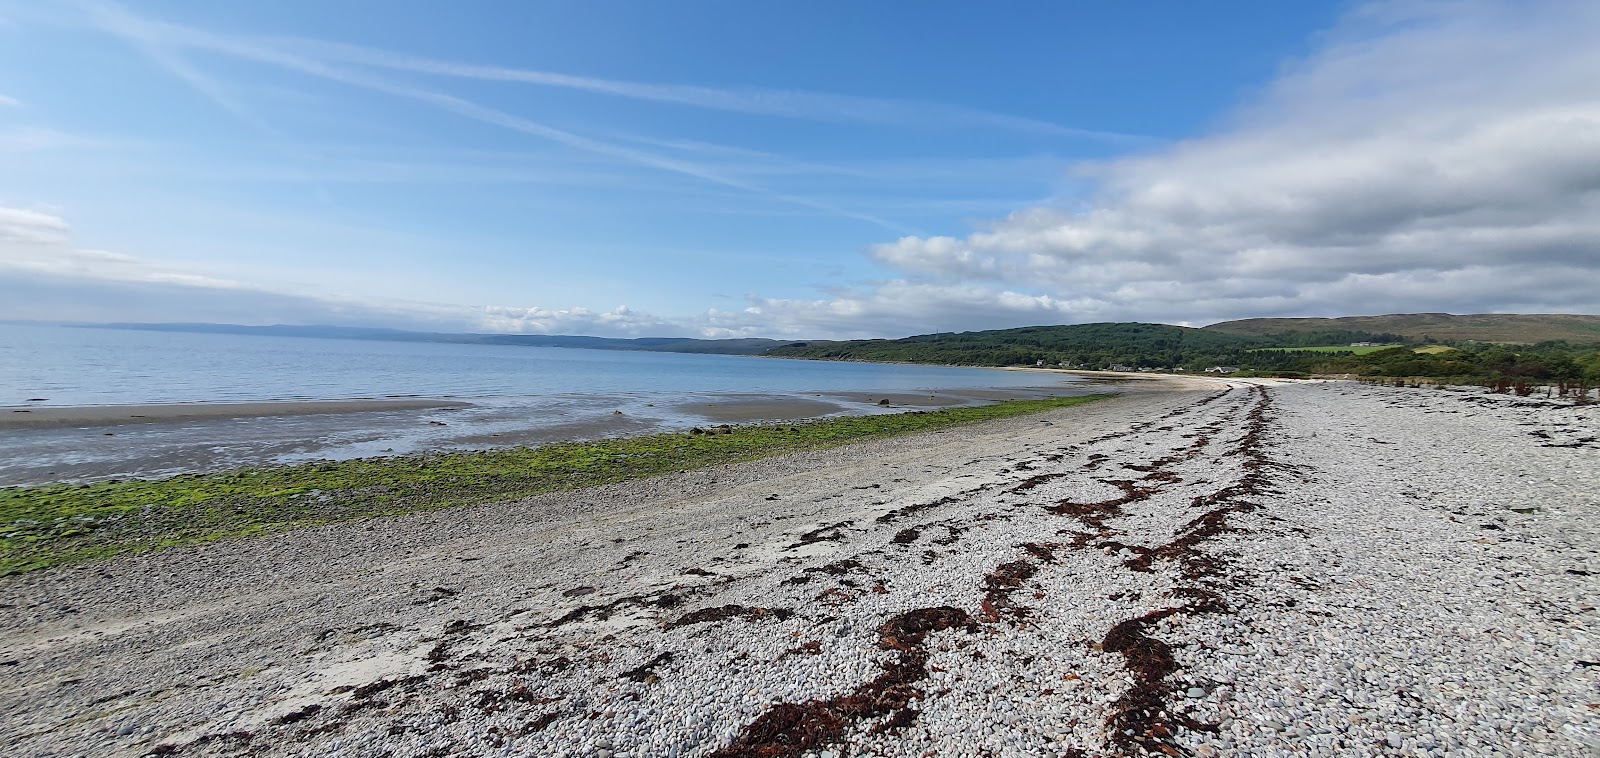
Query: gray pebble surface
x=1200, y=567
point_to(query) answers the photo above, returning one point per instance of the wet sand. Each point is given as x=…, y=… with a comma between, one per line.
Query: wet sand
x=81, y=444
x=740, y=409
x=33, y=417
x=746, y=410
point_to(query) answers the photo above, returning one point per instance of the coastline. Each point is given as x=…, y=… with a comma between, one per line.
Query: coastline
x=48, y=416
x=1286, y=571
x=56, y=524
x=87, y=444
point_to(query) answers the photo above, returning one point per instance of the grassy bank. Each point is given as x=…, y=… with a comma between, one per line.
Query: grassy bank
x=58, y=524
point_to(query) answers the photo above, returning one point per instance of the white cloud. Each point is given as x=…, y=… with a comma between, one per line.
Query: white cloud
x=1430, y=157
x=44, y=276
x=20, y=225
x=620, y=321
x=9, y=102
x=897, y=308
x=39, y=243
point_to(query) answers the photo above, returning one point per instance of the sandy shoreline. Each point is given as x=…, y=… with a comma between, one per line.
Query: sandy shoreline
x=1315, y=568
x=83, y=444
x=26, y=417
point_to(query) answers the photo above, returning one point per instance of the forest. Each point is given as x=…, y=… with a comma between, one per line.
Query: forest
x=1161, y=347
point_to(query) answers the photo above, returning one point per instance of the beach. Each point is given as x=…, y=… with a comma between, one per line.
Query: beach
x=91, y=416
x=81, y=405
x=1196, y=566
x=85, y=444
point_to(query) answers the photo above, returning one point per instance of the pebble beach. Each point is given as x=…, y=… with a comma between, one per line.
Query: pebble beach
x=1194, y=567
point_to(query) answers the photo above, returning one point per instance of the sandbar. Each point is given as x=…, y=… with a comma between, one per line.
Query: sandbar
x=33, y=417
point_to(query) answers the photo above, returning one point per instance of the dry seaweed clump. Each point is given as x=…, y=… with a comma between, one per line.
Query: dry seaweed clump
x=788, y=730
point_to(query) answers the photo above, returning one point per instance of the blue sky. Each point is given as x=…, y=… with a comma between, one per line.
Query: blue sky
x=797, y=169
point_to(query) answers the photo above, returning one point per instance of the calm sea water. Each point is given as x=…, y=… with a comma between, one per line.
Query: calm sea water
x=83, y=366
x=517, y=395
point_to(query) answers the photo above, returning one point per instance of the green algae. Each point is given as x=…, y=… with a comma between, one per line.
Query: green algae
x=65, y=523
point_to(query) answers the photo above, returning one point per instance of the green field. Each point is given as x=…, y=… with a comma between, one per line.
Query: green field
x=1326, y=349
x=1524, y=329
x=58, y=524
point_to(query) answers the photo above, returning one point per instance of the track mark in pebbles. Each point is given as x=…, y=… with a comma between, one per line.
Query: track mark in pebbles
x=1141, y=722
x=790, y=729
x=1144, y=720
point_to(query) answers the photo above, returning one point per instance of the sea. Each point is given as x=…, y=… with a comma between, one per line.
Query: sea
x=512, y=395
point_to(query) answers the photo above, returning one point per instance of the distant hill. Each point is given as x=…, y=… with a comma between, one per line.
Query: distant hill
x=651, y=344
x=1308, y=348
x=1479, y=327
x=1078, y=345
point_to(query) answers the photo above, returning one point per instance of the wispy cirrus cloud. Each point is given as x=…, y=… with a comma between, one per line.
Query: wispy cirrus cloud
x=25, y=139
x=161, y=35
x=782, y=103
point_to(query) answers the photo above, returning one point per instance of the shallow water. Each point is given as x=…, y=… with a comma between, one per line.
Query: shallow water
x=517, y=395
x=85, y=366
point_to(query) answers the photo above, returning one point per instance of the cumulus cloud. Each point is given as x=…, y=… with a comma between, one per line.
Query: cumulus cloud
x=619, y=321
x=9, y=102
x=1429, y=157
x=896, y=308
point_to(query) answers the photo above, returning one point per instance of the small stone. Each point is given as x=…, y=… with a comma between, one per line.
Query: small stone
x=1195, y=692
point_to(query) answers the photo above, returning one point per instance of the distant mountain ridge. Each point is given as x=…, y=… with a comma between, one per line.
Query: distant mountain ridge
x=747, y=346
x=1477, y=327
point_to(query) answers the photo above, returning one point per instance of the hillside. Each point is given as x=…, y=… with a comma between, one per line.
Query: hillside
x=1314, y=350
x=1080, y=345
x=1445, y=327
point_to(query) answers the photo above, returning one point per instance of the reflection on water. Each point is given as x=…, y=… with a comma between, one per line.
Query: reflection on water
x=518, y=395
x=78, y=366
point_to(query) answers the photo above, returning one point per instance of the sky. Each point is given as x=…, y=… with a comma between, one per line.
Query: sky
x=808, y=169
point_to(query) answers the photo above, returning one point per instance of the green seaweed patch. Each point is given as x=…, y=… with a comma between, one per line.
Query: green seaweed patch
x=65, y=523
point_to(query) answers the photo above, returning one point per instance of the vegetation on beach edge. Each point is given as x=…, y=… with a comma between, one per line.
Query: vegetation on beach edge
x=60, y=524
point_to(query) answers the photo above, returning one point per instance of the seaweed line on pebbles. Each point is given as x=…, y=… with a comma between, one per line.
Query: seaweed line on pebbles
x=1148, y=576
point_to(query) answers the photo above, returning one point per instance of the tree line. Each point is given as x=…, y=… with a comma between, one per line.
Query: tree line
x=1174, y=348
